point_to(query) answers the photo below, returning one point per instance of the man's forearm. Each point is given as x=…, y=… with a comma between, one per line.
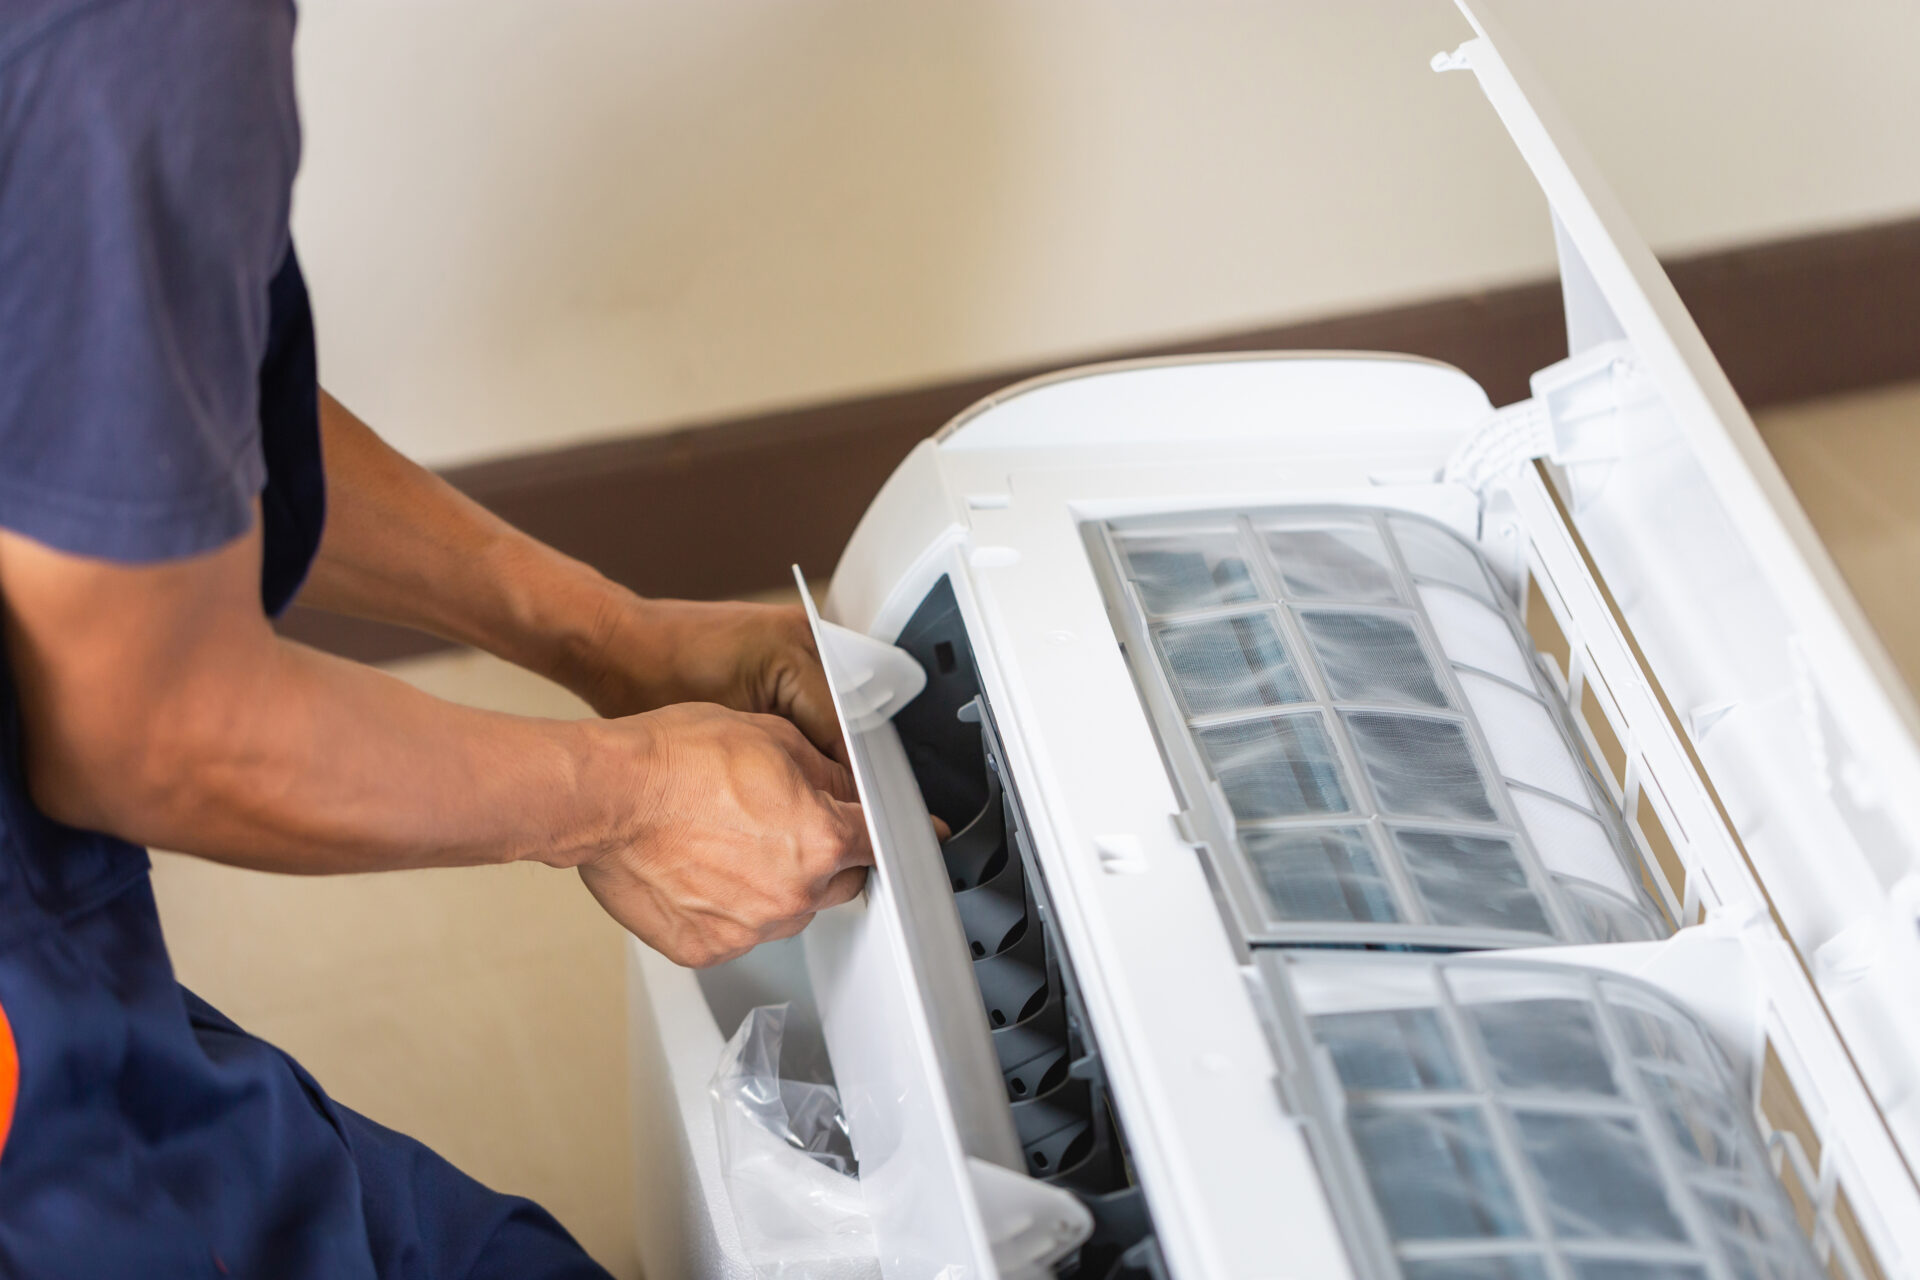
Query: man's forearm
x=185, y=722
x=299, y=762
x=306, y=763
x=402, y=545
x=156, y=703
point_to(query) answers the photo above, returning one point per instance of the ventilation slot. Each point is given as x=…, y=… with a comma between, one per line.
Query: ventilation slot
x=1820, y=1201
x=1056, y=1085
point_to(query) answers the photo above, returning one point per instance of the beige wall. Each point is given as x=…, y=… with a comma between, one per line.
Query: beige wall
x=531, y=224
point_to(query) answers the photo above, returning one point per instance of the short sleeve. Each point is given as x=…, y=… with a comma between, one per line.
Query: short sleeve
x=147, y=154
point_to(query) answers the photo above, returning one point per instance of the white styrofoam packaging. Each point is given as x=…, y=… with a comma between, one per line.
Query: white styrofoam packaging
x=1757, y=795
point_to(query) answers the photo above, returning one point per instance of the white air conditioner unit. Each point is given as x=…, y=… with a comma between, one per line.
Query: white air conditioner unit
x=1394, y=836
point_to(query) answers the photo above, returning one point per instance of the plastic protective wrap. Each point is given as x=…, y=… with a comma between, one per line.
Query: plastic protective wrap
x=787, y=1162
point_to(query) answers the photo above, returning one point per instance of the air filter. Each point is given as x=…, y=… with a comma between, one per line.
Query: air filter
x=1364, y=742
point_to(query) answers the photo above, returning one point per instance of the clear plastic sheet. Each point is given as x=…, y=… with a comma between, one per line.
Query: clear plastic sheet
x=787, y=1162
x=1228, y=664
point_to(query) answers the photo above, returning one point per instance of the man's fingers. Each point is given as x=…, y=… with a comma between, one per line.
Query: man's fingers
x=801, y=695
x=941, y=831
x=787, y=928
x=844, y=887
x=858, y=849
x=811, y=707
x=821, y=773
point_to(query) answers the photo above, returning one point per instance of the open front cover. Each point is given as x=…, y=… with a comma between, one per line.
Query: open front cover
x=1798, y=716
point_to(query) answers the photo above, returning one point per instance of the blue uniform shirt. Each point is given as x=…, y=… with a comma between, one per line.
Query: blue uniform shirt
x=156, y=377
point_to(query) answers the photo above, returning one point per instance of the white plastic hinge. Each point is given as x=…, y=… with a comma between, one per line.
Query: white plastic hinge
x=1030, y=1225
x=1574, y=416
x=1185, y=832
x=1460, y=59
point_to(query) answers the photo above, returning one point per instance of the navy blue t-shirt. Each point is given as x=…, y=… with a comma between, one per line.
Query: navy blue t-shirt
x=156, y=379
x=156, y=348
x=147, y=155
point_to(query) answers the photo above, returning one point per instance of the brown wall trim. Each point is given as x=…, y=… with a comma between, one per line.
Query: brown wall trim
x=724, y=508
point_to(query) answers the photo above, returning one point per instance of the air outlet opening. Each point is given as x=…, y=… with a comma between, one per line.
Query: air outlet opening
x=1820, y=1202
x=1612, y=754
x=1545, y=630
x=1661, y=854
x=1056, y=1088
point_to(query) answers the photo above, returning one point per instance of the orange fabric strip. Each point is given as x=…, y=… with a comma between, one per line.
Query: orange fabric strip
x=9, y=1079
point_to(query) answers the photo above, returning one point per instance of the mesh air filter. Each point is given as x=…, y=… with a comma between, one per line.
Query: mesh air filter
x=1366, y=745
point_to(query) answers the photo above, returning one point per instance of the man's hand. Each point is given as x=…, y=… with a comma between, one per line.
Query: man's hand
x=729, y=826
x=647, y=654
x=742, y=832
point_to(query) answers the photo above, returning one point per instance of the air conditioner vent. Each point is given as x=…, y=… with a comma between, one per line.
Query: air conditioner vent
x=1056, y=1086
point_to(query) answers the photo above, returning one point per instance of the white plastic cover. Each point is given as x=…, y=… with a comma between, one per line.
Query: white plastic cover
x=1797, y=713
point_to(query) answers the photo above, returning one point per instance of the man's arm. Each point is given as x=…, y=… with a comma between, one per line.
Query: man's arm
x=157, y=704
x=402, y=545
